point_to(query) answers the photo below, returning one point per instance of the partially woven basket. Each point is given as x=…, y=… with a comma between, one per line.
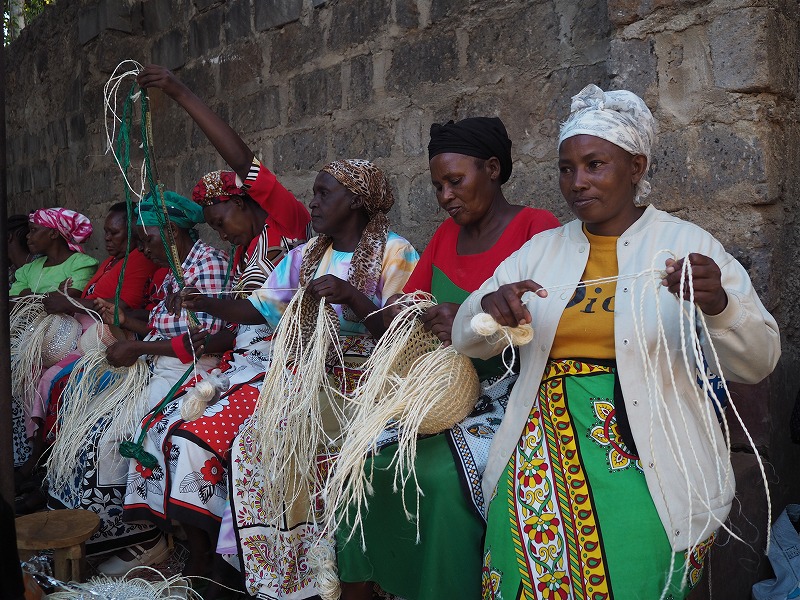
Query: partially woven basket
x=99, y=336
x=60, y=338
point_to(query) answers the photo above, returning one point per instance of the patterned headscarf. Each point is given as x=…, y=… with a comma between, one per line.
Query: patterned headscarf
x=182, y=211
x=217, y=186
x=369, y=183
x=72, y=226
x=620, y=117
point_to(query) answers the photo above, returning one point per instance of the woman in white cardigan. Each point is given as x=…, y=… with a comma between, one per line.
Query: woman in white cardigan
x=611, y=480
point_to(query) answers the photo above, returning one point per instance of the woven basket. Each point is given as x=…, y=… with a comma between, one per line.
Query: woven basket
x=462, y=384
x=60, y=338
x=457, y=405
x=99, y=336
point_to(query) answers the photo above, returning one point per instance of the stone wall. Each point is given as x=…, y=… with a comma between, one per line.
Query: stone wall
x=306, y=81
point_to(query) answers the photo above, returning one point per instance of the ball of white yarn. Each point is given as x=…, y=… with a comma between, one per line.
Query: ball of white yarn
x=204, y=392
x=483, y=324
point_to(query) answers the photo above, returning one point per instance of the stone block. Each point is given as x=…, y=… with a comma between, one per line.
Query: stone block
x=257, y=112
x=88, y=23
x=64, y=168
x=240, y=67
x=357, y=21
x=77, y=129
x=158, y=15
x=634, y=65
x=361, y=77
x=205, y=32
x=40, y=171
x=368, y=139
x=57, y=134
x=300, y=150
x=424, y=213
x=118, y=15
x=21, y=180
x=315, y=93
x=431, y=57
x=495, y=44
x=754, y=50
x=275, y=13
x=295, y=45
x=200, y=77
x=625, y=12
x=406, y=14
x=113, y=47
x=169, y=131
x=168, y=50
x=317, y=3
x=413, y=131
x=204, y=5
x=238, y=20
x=444, y=8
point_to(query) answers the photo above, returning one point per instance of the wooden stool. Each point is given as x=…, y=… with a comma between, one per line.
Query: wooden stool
x=66, y=532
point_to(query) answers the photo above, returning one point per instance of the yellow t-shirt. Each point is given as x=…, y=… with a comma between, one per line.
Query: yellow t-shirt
x=586, y=328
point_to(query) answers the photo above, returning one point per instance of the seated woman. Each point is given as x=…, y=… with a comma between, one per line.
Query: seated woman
x=356, y=264
x=95, y=479
x=469, y=161
x=252, y=209
x=56, y=234
x=628, y=470
x=103, y=284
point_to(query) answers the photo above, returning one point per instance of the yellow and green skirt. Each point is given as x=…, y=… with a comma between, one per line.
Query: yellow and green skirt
x=572, y=517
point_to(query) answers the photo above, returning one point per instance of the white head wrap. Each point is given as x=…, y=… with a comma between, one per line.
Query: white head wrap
x=620, y=117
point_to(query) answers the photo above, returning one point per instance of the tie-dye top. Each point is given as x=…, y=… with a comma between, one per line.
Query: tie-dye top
x=399, y=260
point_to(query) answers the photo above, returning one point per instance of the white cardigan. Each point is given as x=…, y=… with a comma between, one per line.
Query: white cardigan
x=692, y=495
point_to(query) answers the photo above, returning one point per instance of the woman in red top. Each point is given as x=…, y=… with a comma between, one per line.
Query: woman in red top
x=469, y=162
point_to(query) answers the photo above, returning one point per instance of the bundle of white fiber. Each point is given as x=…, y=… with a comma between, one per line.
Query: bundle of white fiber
x=321, y=559
x=412, y=382
x=96, y=390
x=485, y=325
x=205, y=392
x=127, y=588
x=27, y=312
x=287, y=424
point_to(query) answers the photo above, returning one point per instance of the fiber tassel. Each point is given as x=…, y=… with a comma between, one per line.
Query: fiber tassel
x=322, y=562
x=483, y=324
x=412, y=383
x=206, y=392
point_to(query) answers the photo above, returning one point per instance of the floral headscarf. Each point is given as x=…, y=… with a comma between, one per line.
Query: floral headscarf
x=72, y=226
x=620, y=117
x=217, y=186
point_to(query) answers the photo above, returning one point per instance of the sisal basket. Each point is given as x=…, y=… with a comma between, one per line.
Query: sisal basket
x=99, y=336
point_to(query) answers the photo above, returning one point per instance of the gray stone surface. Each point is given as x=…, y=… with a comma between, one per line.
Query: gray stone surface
x=205, y=32
x=431, y=57
x=88, y=23
x=257, y=112
x=356, y=21
x=294, y=45
x=239, y=20
x=361, y=79
x=169, y=50
x=300, y=150
x=315, y=93
x=157, y=15
x=406, y=13
x=366, y=139
x=274, y=13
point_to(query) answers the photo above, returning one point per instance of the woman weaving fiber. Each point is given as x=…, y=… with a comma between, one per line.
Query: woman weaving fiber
x=617, y=439
x=90, y=472
x=250, y=208
x=355, y=265
x=469, y=162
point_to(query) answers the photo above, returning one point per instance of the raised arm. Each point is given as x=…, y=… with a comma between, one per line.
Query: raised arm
x=227, y=142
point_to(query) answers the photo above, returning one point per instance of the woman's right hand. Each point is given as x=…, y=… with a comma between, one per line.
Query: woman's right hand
x=191, y=299
x=439, y=319
x=106, y=310
x=156, y=76
x=505, y=305
x=123, y=353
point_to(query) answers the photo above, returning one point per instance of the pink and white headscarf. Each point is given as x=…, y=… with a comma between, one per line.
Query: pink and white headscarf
x=71, y=225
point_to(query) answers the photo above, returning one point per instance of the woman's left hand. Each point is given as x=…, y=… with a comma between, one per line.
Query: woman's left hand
x=123, y=354
x=709, y=294
x=333, y=289
x=55, y=302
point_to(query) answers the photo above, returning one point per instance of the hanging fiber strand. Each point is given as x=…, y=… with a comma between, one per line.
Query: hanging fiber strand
x=287, y=425
x=412, y=383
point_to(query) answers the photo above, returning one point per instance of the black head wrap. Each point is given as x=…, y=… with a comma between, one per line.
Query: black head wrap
x=481, y=137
